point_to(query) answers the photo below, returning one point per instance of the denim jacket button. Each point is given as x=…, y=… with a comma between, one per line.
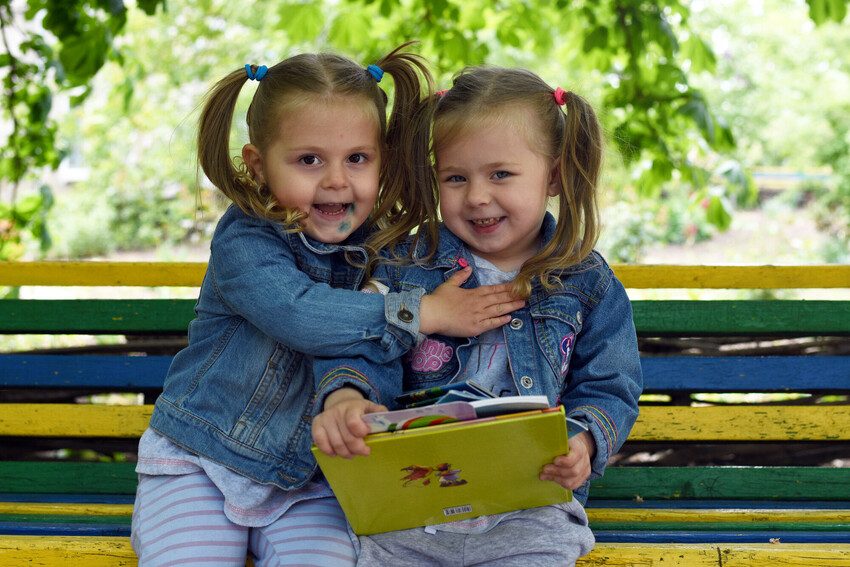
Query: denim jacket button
x=526, y=382
x=516, y=324
x=578, y=317
x=404, y=315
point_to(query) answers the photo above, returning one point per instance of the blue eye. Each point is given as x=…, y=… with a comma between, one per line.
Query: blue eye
x=501, y=174
x=310, y=160
x=455, y=179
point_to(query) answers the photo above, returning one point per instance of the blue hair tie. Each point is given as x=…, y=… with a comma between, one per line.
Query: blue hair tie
x=258, y=76
x=376, y=72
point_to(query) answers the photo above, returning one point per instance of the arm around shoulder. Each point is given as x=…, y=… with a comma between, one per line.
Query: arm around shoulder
x=255, y=274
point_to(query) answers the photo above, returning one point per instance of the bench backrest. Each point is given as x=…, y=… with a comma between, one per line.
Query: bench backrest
x=659, y=425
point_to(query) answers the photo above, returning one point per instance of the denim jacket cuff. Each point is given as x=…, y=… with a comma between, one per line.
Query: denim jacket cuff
x=344, y=376
x=602, y=434
x=402, y=312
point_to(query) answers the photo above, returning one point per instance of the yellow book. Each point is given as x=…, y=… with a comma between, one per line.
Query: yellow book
x=449, y=472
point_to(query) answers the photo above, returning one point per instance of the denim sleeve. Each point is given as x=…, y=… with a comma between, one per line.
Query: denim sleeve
x=256, y=277
x=605, y=378
x=380, y=383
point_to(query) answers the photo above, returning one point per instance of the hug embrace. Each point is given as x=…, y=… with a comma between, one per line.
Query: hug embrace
x=439, y=201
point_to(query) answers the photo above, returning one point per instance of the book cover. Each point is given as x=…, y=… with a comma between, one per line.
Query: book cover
x=448, y=472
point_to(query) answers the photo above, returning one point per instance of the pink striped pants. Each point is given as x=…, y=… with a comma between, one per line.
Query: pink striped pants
x=180, y=520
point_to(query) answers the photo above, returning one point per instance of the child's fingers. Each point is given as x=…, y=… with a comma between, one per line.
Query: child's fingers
x=459, y=276
x=355, y=427
x=339, y=444
x=320, y=438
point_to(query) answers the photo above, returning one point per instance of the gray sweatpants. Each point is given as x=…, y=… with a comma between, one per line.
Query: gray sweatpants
x=538, y=537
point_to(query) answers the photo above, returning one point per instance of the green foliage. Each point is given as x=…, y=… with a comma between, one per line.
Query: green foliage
x=62, y=45
x=25, y=218
x=645, y=65
x=822, y=11
x=833, y=205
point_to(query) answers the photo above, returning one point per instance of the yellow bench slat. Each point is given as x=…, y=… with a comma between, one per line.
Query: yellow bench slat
x=18, y=551
x=145, y=274
x=659, y=276
x=742, y=423
x=66, y=509
x=655, y=423
x=759, y=515
x=74, y=420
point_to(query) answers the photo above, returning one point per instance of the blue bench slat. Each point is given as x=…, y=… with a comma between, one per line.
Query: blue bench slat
x=622, y=536
x=602, y=536
x=39, y=529
x=746, y=373
x=83, y=371
x=674, y=373
x=721, y=504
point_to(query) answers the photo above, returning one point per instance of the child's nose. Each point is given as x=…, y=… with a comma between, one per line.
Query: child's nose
x=477, y=194
x=335, y=177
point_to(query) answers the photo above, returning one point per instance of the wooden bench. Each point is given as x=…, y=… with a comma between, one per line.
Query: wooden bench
x=62, y=511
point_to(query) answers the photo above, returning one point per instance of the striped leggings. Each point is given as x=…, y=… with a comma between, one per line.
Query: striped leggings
x=181, y=521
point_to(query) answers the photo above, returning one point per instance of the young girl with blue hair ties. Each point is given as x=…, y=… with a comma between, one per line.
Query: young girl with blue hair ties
x=505, y=144
x=326, y=181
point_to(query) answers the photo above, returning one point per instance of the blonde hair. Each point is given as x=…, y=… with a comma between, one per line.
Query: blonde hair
x=570, y=135
x=405, y=163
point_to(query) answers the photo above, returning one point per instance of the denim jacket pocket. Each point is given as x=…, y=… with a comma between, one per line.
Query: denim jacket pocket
x=557, y=332
x=280, y=381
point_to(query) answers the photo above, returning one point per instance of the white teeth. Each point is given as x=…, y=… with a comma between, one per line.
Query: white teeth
x=485, y=222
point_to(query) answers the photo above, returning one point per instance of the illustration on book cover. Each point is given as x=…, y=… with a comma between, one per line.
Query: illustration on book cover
x=445, y=474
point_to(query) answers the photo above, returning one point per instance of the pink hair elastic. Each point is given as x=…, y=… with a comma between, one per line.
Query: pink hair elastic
x=442, y=92
x=560, y=96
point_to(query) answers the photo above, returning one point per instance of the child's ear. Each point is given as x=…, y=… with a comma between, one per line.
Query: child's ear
x=254, y=160
x=554, y=188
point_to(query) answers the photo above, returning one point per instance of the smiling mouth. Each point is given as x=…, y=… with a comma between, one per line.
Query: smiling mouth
x=483, y=223
x=333, y=210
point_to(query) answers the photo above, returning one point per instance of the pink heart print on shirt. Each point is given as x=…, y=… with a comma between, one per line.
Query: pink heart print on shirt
x=430, y=356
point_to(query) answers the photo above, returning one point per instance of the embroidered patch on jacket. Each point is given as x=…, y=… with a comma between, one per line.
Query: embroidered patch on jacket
x=566, y=348
x=430, y=356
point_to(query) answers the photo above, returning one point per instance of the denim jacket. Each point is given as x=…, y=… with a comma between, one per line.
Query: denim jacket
x=575, y=344
x=241, y=393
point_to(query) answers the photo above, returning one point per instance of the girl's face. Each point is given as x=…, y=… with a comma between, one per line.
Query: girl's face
x=324, y=162
x=494, y=188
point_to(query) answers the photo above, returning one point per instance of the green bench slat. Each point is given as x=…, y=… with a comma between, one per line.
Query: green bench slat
x=683, y=317
x=673, y=317
x=756, y=483
x=619, y=483
x=58, y=477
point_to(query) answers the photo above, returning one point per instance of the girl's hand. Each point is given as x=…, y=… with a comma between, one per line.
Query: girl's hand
x=339, y=430
x=456, y=312
x=571, y=470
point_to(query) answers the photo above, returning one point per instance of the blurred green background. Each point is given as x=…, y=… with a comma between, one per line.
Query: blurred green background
x=728, y=122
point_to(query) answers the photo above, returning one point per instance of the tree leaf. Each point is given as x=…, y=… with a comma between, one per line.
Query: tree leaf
x=597, y=39
x=717, y=213
x=301, y=22
x=82, y=56
x=818, y=11
x=700, y=55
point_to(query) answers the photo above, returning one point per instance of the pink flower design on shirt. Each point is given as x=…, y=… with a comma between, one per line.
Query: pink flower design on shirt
x=430, y=356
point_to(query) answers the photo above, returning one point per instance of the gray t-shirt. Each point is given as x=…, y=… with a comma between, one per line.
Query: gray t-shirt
x=488, y=359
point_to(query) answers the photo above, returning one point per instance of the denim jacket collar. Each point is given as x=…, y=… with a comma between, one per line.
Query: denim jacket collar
x=354, y=242
x=451, y=249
